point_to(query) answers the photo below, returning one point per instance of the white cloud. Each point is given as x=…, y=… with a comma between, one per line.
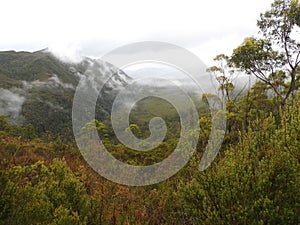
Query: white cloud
x=93, y=27
x=52, y=81
x=11, y=103
x=68, y=52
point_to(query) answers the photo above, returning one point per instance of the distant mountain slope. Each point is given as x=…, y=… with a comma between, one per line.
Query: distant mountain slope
x=38, y=88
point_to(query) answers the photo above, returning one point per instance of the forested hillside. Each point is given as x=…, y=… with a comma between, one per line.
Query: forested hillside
x=38, y=85
x=255, y=178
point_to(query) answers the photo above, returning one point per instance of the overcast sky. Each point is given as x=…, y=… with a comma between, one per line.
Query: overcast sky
x=94, y=28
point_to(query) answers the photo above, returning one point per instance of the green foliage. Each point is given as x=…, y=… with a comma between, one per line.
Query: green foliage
x=276, y=56
x=223, y=75
x=12, y=148
x=151, y=107
x=257, y=56
x=135, y=129
x=25, y=132
x=40, y=194
x=32, y=66
x=51, y=103
x=4, y=123
x=63, y=216
x=256, y=182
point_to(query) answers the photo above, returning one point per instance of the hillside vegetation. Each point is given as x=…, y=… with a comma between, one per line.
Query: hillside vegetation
x=255, y=178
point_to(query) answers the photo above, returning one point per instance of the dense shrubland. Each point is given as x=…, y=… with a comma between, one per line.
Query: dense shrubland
x=254, y=180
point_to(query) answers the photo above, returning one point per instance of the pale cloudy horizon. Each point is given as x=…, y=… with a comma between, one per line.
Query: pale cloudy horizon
x=93, y=28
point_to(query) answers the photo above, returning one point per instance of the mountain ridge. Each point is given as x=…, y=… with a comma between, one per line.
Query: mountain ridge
x=38, y=88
